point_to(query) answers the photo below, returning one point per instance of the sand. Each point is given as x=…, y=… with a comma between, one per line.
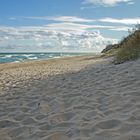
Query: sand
x=78, y=98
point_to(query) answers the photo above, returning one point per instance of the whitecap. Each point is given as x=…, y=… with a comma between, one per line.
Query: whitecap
x=27, y=55
x=33, y=58
x=42, y=54
x=50, y=56
x=57, y=57
x=8, y=56
x=15, y=62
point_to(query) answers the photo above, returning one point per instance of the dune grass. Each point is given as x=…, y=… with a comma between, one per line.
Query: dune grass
x=129, y=48
x=127, y=54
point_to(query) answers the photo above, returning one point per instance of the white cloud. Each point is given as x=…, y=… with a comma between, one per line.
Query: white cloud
x=68, y=33
x=107, y=2
x=121, y=29
x=83, y=22
x=70, y=19
x=12, y=18
x=61, y=19
x=65, y=26
x=48, y=38
x=128, y=21
x=76, y=21
x=131, y=2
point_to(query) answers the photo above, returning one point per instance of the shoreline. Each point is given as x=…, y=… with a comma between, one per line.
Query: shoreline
x=15, y=74
x=28, y=57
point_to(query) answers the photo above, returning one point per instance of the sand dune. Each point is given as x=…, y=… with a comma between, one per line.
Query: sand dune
x=78, y=98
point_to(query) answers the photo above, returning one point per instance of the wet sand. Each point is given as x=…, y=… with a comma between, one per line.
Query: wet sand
x=78, y=98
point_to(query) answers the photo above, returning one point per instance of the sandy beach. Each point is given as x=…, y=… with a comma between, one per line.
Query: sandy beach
x=75, y=98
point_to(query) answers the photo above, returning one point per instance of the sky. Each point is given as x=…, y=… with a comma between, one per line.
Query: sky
x=65, y=25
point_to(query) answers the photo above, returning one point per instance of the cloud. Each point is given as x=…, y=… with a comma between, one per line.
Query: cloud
x=72, y=27
x=75, y=27
x=70, y=19
x=107, y=3
x=78, y=20
x=121, y=29
x=83, y=22
x=67, y=26
x=48, y=38
x=12, y=18
x=128, y=21
x=61, y=19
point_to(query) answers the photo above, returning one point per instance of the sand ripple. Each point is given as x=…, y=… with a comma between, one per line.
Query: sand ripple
x=99, y=102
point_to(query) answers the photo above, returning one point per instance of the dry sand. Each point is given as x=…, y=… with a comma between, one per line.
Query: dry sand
x=79, y=98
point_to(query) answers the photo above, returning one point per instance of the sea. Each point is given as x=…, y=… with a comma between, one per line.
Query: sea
x=23, y=57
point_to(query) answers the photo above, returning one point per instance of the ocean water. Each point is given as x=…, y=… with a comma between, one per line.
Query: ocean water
x=22, y=57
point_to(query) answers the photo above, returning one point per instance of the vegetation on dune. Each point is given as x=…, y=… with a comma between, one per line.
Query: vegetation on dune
x=128, y=49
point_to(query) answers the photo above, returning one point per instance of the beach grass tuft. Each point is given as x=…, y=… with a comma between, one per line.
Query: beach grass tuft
x=129, y=48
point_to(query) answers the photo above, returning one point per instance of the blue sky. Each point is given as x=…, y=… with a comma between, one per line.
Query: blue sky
x=65, y=25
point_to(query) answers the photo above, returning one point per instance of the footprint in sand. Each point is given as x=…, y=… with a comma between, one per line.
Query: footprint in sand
x=57, y=136
x=57, y=118
x=108, y=124
x=44, y=107
x=20, y=131
x=29, y=121
x=129, y=137
x=7, y=124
